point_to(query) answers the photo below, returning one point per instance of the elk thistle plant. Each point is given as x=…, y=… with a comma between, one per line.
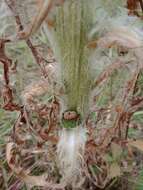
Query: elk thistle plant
x=71, y=39
x=78, y=37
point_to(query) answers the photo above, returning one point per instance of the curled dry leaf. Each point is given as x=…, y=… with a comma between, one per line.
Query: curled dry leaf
x=70, y=115
x=137, y=144
x=116, y=150
x=23, y=175
x=114, y=170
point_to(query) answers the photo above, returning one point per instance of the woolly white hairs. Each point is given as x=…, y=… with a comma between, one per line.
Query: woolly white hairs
x=120, y=29
x=121, y=36
x=6, y=23
x=108, y=15
x=70, y=152
x=4, y=10
x=127, y=37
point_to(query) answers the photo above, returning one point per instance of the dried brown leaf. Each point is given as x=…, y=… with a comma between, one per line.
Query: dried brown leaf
x=114, y=170
x=116, y=150
x=23, y=175
x=137, y=144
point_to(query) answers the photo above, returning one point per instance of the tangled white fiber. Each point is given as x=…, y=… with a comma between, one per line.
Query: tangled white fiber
x=70, y=152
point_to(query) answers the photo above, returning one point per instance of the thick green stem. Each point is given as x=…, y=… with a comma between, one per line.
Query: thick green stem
x=72, y=25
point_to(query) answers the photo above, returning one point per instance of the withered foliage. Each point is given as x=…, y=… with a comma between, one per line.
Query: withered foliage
x=134, y=7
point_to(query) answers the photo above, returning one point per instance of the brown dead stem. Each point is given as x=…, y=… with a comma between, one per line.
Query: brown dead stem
x=38, y=58
x=7, y=93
